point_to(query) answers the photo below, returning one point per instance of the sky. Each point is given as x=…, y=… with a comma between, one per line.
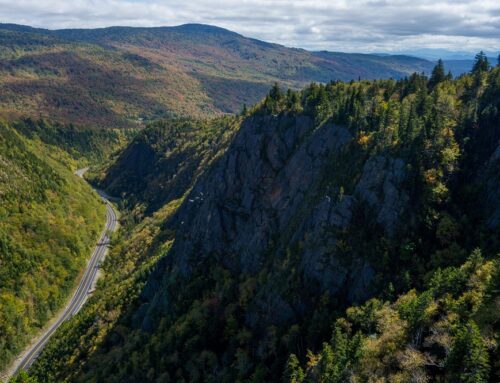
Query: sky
x=335, y=25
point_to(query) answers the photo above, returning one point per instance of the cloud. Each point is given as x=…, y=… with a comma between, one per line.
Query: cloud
x=341, y=25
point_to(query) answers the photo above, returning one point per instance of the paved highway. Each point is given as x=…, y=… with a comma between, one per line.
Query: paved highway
x=82, y=292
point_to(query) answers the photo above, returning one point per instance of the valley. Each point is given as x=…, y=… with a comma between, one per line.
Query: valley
x=42, y=253
x=321, y=234
x=121, y=77
x=85, y=288
x=285, y=214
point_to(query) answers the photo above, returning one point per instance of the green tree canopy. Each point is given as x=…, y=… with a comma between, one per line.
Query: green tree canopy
x=438, y=74
x=481, y=63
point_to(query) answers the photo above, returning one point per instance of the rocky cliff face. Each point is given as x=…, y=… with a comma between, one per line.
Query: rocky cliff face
x=165, y=159
x=273, y=193
x=253, y=192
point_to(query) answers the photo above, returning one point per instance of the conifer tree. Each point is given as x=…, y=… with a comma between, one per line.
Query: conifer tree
x=274, y=100
x=481, y=63
x=275, y=93
x=468, y=360
x=244, y=111
x=438, y=74
x=293, y=372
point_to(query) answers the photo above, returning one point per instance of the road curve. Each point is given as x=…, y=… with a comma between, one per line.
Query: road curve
x=83, y=290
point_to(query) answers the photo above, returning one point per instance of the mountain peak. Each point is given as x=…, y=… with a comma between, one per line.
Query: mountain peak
x=203, y=28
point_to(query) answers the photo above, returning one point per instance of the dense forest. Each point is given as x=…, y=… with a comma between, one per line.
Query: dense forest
x=163, y=161
x=84, y=145
x=447, y=332
x=345, y=232
x=124, y=76
x=41, y=253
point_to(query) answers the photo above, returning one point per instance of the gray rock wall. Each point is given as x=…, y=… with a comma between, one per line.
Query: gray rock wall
x=263, y=196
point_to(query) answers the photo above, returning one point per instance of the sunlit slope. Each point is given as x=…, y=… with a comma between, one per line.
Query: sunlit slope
x=49, y=221
x=121, y=76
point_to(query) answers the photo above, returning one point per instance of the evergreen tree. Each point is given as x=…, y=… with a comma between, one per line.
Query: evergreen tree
x=244, y=111
x=481, y=63
x=438, y=74
x=468, y=360
x=275, y=93
x=293, y=372
x=274, y=100
x=293, y=101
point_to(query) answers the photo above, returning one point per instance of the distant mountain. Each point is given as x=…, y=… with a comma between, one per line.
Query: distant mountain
x=456, y=62
x=122, y=76
x=433, y=54
x=457, y=67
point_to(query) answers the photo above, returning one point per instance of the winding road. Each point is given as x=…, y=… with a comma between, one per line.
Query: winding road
x=84, y=289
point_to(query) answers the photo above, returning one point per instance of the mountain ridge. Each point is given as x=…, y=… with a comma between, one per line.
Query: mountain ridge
x=123, y=76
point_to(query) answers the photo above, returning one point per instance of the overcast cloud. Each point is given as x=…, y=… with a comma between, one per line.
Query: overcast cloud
x=335, y=25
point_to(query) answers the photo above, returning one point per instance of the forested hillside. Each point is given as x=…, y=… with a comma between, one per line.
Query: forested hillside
x=370, y=208
x=163, y=161
x=49, y=222
x=121, y=77
x=448, y=332
x=84, y=145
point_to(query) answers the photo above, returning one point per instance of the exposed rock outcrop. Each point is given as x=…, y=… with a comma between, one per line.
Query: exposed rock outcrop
x=266, y=195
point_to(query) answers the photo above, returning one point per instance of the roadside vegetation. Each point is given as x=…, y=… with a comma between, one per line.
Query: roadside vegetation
x=49, y=222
